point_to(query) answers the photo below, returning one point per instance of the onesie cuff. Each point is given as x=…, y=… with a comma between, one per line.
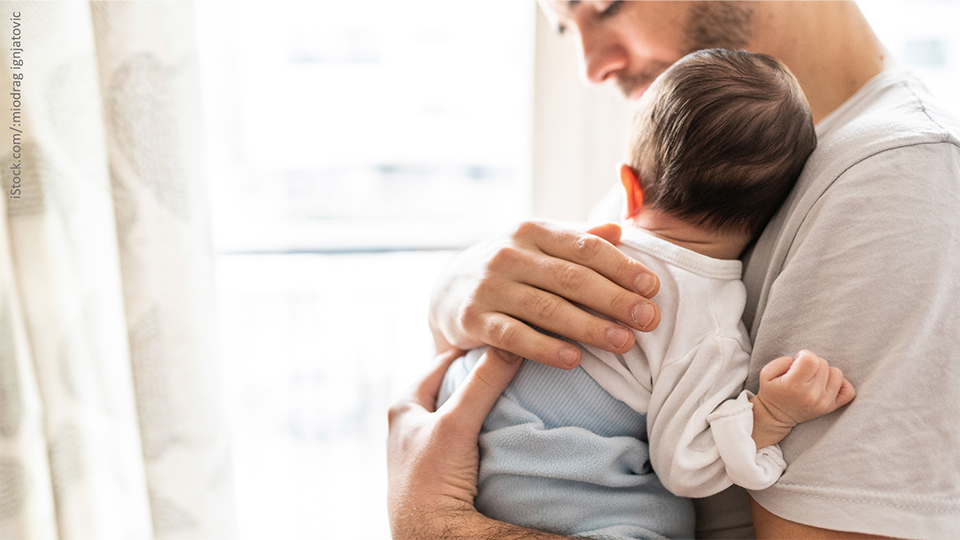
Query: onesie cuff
x=732, y=427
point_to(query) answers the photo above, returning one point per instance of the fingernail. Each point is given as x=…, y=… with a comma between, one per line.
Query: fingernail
x=643, y=315
x=618, y=336
x=645, y=284
x=569, y=356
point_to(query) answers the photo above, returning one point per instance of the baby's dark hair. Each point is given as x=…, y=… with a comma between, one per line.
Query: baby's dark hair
x=722, y=139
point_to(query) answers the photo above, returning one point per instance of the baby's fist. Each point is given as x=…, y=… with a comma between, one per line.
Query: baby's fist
x=802, y=388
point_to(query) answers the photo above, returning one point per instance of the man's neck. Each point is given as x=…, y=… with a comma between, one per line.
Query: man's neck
x=839, y=51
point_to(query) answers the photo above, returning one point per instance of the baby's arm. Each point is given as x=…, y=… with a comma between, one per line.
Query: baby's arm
x=794, y=390
x=700, y=435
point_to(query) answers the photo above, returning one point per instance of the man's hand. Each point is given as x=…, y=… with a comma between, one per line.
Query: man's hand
x=794, y=390
x=432, y=457
x=536, y=276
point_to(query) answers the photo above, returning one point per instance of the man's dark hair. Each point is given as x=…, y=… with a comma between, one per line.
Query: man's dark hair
x=722, y=139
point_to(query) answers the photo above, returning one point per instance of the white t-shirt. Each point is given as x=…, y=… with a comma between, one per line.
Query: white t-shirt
x=862, y=265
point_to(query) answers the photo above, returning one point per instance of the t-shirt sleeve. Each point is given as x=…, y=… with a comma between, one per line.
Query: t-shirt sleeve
x=872, y=284
x=700, y=438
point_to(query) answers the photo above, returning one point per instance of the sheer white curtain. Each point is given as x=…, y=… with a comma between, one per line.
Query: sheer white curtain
x=110, y=421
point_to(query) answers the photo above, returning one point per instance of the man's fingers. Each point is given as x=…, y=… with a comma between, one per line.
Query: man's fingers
x=596, y=253
x=469, y=405
x=611, y=232
x=529, y=305
x=546, y=281
x=425, y=392
x=505, y=332
x=587, y=287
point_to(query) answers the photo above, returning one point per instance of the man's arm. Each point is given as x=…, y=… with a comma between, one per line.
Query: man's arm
x=537, y=275
x=879, y=301
x=767, y=526
x=432, y=456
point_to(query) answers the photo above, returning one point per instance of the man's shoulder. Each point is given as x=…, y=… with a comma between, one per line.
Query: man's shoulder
x=894, y=134
x=891, y=152
x=860, y=265
x=895, y=112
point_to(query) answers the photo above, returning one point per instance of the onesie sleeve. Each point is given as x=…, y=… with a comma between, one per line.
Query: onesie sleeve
x=700, y=436
x=732, y=427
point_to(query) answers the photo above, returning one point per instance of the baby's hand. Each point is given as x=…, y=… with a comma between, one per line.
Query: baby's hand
x=802, y=388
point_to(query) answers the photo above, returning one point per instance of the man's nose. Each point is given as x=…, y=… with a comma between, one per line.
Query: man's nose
x=601, y=55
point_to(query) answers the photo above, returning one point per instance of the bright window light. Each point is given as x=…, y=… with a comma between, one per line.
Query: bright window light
x=368, y=125
x=350, y=146
x=922, y=36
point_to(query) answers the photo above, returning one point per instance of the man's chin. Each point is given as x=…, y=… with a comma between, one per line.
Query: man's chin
x=635, y=93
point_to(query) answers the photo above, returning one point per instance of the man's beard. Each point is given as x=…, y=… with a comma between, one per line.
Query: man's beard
x=630, y=82
x=709, y=25
x=718, y=25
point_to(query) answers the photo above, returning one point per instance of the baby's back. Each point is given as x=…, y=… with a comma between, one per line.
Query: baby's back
x=560, y=454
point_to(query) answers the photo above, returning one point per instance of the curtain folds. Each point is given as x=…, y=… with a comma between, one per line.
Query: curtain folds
x=110, y=412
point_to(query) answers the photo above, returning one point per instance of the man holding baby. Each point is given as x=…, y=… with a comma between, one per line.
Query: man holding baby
x=861, y=264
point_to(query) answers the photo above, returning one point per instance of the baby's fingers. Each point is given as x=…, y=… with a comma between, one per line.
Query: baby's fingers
x=776, y=368
x=808, y=368
x=846, y=394
x=837, y=392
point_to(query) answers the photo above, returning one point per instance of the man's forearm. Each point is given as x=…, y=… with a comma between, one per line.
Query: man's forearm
x=768, y=526
x=466, y=524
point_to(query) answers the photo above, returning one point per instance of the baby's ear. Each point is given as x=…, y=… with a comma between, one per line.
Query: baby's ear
x=632, y=189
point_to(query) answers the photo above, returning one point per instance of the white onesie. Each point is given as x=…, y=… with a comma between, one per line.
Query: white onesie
x=570, y=451
x=685, y=374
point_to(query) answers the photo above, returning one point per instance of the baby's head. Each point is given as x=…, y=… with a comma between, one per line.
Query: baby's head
x=720, y=138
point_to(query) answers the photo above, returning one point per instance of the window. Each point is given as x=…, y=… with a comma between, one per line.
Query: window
x=922, y=36
x=369, y=125
x=351, y=147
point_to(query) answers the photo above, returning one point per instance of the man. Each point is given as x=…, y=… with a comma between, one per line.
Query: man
x=860, y=264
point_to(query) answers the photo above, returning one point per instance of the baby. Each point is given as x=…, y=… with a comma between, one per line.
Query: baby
x=718, y=142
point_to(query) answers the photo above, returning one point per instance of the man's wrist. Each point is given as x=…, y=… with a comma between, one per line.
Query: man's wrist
x=459, y=523
x=413, y=522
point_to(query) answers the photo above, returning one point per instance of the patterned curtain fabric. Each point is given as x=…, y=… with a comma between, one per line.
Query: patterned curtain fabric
x=110, y=412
